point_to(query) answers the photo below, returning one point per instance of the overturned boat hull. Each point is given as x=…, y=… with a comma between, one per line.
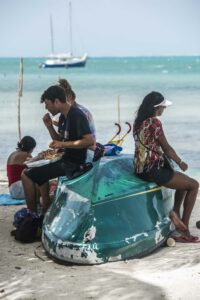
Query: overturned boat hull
x=107, y=214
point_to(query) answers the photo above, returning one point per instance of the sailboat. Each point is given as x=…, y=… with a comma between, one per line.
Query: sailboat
x=63, y=60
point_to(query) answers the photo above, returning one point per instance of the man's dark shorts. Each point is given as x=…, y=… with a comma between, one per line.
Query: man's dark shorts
x=42, y=174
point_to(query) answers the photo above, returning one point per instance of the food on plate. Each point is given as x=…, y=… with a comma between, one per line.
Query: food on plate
x=51, y=154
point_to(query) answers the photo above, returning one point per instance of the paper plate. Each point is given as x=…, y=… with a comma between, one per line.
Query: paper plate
x=41, y=162
x=38, y=163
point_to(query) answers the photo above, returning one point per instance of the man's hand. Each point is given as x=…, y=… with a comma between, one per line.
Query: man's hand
x=56, y=144
x=86, y=141
x=47, y=120
x=49, y=125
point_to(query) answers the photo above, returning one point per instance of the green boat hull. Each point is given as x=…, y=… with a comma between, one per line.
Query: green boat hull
x=107, y=214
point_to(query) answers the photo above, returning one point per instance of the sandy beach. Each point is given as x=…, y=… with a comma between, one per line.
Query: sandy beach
x=27, y=273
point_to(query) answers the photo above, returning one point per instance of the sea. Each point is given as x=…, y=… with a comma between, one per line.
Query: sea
x=112, y=89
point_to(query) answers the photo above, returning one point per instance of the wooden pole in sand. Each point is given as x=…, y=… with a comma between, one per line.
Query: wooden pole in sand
x=118, y=113
x=20, y=88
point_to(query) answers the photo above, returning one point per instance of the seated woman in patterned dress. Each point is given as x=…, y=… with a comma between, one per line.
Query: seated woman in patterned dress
x=151, y=146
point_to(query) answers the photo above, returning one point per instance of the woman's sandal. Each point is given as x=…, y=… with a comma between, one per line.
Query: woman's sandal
x=186, y=239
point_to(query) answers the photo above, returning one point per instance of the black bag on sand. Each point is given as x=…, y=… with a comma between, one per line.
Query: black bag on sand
x=29, y=229
x=82, y=169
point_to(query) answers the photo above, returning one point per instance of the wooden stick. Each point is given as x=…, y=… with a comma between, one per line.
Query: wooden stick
x=18, y=118
x=118, y=111
x=20, y=89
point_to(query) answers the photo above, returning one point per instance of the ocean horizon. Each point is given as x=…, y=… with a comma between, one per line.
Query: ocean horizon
x=98, y=86
x=111, y=56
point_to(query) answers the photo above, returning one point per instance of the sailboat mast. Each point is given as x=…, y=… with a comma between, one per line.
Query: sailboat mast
x=70, y=28
x=52, y=37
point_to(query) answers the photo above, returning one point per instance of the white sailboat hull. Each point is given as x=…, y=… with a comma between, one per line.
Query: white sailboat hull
x=64, y=62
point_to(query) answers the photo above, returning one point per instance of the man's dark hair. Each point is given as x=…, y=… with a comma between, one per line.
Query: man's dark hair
x=52, y=93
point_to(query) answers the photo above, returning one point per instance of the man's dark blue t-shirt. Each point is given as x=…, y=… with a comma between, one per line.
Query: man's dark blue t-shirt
x=73, y=128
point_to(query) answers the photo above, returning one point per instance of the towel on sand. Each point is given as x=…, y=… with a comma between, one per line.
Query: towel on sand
x=6, y=199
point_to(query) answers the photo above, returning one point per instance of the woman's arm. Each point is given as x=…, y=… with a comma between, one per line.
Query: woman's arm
x=39, y=156
x=171, y=153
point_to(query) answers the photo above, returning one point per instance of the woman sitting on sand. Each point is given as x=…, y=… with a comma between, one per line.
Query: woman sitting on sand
x=15, y=166
x=150, y=147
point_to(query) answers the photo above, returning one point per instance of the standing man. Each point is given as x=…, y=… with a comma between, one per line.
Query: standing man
x=75, y=139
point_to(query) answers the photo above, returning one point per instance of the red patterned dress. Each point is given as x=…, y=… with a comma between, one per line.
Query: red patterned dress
x=147, y=136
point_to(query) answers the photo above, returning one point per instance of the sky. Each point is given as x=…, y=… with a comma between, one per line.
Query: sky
x=100, y=27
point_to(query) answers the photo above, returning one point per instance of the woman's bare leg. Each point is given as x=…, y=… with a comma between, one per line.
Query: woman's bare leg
x=188, y=205
x=181, y=181
x=178, y=200
x=179, y=225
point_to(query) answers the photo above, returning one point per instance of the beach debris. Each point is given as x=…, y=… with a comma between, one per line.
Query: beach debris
x=171, y=242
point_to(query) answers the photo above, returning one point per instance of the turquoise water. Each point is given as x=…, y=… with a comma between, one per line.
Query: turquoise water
x=98, y=87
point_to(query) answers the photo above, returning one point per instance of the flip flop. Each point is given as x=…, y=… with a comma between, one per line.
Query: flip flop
x=196, y=238
x=187, y=234
x=186, y=239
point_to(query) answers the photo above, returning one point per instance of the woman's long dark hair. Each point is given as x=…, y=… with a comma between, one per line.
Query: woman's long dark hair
x=26, y=144
x=63, y=83
x=147, y=109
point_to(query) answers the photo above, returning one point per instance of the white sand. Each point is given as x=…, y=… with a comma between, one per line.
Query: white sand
x=169, y=273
